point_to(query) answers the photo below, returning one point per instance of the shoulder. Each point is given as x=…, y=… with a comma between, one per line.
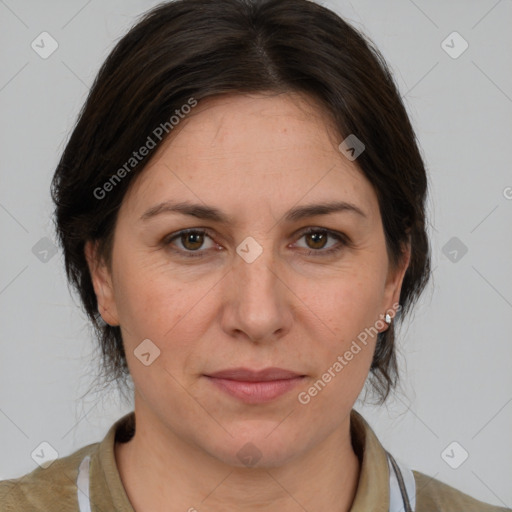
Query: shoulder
x=433, y=495
x=50, y=488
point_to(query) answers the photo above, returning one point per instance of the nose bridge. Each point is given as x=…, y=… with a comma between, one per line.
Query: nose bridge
x=258, y=298
x=256, y=272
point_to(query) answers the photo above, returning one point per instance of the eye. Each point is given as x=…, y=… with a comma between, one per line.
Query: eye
x=190, y=241
x=193, y=243
x=317, y=240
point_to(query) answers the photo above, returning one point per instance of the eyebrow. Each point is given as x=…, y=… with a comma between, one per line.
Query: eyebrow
x=214, y=214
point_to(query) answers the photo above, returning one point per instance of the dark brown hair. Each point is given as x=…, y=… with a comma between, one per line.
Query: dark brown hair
x=201, y=48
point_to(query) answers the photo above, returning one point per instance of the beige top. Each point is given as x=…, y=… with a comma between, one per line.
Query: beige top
x=56, y=489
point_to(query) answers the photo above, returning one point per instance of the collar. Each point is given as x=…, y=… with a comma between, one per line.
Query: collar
x=373, y=488
x=106, y=491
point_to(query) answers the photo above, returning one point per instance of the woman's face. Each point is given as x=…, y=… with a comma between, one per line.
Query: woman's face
x=249, y=287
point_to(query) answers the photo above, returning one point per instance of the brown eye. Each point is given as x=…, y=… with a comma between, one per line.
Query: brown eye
x=317, y=242
x=192, y=240
x=317, y=239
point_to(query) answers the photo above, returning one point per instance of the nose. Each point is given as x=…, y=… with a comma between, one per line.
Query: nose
x=257, y=303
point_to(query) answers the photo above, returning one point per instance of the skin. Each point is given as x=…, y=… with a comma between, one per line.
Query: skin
x=254, y=157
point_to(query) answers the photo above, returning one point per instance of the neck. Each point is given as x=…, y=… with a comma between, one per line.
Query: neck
x=158, y=468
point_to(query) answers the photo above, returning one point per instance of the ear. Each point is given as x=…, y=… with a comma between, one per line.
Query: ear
x=102, y=283
x=394, y=282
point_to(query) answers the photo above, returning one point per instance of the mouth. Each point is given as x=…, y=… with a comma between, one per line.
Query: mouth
x=255, y=386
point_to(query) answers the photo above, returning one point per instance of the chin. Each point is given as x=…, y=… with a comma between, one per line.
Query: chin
x=262, y=447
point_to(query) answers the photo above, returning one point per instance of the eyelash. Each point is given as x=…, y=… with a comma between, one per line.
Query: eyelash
x=341, y=238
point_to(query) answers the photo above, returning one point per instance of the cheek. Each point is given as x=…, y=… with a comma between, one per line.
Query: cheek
x=342, y=353
x=350, y=304
x=152, y=304
x=349, y=307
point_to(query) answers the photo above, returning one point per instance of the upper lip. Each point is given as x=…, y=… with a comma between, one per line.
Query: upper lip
x=248, y=375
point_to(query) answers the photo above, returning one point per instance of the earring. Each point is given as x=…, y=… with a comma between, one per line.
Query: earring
x=387, y=319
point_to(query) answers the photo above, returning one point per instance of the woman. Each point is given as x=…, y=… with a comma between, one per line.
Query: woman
x=241, y=208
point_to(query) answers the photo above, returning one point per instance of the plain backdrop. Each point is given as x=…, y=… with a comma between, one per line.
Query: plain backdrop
x=455, y=351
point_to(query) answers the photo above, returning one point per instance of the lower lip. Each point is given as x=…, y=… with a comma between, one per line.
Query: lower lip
x=256, y=392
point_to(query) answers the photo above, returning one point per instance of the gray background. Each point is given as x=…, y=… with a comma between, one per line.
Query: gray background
x=456, y=350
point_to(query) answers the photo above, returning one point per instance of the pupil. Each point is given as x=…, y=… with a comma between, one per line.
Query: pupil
x=318, y=237
x=194, y=239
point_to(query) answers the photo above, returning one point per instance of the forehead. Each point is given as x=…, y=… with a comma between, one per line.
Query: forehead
x=248, y=148
x=280, y=121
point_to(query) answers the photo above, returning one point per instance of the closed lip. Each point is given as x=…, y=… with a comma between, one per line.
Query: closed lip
x=248, y=375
